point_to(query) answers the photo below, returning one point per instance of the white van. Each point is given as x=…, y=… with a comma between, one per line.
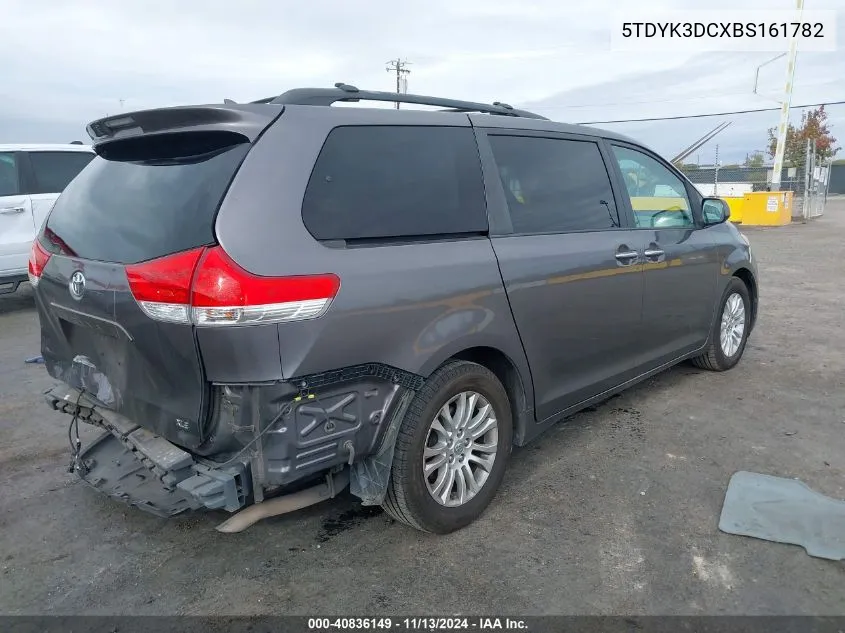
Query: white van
x=31, y=179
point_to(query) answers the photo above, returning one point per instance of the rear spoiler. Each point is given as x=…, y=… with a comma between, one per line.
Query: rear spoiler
x=248, y=120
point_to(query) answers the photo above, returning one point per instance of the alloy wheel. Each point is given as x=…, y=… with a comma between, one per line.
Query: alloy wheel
x=460, y=449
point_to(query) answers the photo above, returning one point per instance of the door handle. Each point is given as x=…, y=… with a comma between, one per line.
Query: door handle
x=12, y=210
x=626, y=258
x=653, y=253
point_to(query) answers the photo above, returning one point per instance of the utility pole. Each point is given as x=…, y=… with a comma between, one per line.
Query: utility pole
x=398, y=66
x=787, y=101
x=716, y=174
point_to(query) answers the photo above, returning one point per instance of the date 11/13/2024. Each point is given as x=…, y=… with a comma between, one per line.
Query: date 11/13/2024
x=418, y=624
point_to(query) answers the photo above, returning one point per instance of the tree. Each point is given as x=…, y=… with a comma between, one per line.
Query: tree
x=686, y=167
x=754, y=160
x=814, y=126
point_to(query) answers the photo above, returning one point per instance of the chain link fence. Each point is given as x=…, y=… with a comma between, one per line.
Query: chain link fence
x=807, y=178
x=818, y=185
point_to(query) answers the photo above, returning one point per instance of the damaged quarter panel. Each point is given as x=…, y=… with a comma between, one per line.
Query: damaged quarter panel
x=337, y=422
x=340, y=425
x=400, y=304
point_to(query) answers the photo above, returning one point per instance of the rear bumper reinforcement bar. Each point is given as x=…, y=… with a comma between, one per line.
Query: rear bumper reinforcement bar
x=214, y=488
x=119, y=464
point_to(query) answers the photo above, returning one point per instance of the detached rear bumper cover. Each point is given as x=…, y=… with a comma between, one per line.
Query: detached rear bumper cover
x=145, y=470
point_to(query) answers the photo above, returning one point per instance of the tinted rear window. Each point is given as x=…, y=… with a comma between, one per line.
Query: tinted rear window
x=53, y=171
x=373, y=182
x=143, y=201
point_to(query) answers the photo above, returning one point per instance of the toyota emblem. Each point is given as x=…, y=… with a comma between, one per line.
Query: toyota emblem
x=77, y=285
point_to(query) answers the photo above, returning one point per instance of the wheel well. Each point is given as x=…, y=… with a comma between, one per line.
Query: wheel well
x=507, y=373
x=744, y=275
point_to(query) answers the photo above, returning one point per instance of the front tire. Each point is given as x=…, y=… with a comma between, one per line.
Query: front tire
x=451, y=450
x=730, y=331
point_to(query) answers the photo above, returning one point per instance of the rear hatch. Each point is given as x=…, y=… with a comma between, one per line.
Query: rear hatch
x=113, y=264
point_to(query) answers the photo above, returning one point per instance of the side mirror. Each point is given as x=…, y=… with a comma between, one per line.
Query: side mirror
x=715, y=211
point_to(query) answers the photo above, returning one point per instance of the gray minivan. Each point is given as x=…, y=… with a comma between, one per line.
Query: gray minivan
x=264, y=303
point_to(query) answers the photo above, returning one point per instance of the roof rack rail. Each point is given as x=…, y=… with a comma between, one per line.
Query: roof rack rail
x=348, y=93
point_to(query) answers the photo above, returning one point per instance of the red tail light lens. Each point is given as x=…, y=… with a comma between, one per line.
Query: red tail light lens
x=162, y=287
x=223, y=293
x=206, y=287
x=38, y=258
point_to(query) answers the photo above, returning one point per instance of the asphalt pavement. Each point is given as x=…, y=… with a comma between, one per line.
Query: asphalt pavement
x=612, y=512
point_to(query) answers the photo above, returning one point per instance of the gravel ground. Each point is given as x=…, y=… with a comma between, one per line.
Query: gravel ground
x=613, y=512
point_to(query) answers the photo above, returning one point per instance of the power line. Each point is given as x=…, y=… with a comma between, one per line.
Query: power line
x=398, y=66
x=718, y=95
x=702, y=116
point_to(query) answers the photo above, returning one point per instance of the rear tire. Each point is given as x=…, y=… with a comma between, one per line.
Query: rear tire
x=433, y=502
x=730, y=331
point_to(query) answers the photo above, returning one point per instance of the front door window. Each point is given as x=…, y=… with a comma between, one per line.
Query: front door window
x=658, y=197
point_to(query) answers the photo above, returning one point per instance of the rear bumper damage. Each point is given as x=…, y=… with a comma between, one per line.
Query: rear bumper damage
x=145, y=470
x=267, y=440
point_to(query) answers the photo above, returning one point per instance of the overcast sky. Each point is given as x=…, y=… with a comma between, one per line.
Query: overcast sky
x=68, y=62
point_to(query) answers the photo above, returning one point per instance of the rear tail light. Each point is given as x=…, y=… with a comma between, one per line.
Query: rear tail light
x=162, y=287
x=223, y=293
x=205, y=287
x=38, y=258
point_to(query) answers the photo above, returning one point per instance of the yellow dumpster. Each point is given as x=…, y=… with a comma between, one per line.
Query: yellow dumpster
x=766, y=208
x=762, y=208
x=735, y=203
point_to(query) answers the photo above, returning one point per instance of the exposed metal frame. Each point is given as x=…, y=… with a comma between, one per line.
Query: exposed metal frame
x=346, y=93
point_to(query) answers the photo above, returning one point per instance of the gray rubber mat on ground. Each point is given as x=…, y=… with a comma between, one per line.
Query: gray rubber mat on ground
x=784, y=511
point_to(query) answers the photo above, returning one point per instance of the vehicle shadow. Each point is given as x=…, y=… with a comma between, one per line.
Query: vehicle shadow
x=617, y=414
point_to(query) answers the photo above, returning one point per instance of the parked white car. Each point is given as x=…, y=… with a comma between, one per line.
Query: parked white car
x=31, y=179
